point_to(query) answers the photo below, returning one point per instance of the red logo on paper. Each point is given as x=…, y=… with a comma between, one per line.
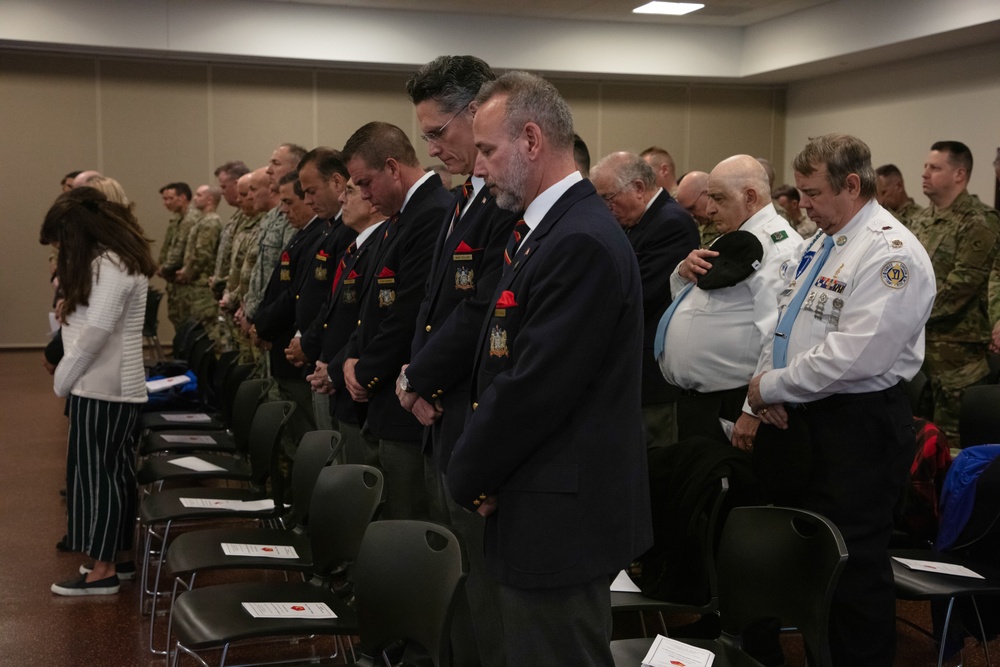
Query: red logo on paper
x=298, y=607
x=677, y=662
x=267, y=549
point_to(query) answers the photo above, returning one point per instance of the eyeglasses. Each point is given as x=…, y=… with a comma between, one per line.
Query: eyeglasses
x=435, y=135
x=610, y=199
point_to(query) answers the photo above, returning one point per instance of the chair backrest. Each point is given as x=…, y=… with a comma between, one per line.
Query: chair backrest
x=201, y=362
x=265, y=438
x=316, y=449
x=918, y=393
x=224, y=365
x=151, y=320
x=249, y=395
x=184, y=337
x=777, y=562
x=406, y=580
x=344, y=501
x=979, y=418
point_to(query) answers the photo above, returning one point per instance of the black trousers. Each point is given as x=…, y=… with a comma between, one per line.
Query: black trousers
x=861, y=447
x=698, y=413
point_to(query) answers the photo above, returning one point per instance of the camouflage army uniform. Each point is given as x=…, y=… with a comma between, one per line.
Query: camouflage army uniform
x=708, y=233
x=275, y=233
x=178, y=306
x=224, y=252
x=199, y=260
x=907, y=213
x=244, y=241
x=962, y=243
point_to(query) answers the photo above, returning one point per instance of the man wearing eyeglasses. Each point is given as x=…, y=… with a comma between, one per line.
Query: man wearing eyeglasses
x=662, y=234
x=692, y=195
x=435, y=386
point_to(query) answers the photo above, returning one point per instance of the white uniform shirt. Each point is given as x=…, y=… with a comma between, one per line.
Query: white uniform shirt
x=714, y=338
x=861, y=326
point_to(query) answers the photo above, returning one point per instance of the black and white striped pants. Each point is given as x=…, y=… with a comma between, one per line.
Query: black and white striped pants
x=100, y=476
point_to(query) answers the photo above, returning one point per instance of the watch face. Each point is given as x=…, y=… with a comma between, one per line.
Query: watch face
x=404, y=383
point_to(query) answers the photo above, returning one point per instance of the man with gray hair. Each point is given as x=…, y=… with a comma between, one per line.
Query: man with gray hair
x=564, y=510
x=850, y=331
x=662, y=234
x=709, y=341
x=692, y=195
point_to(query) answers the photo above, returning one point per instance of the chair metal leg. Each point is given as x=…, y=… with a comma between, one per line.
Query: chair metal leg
x=944, y=633
x=982, y=632
x=156, y=591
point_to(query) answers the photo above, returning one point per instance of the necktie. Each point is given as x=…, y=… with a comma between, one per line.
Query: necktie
x=520, y=229
x=661, y=328
x=460, y=204
x=392, y=223
x=784, y=329
x=343, y=262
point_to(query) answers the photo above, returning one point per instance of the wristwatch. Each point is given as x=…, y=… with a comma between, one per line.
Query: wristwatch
x=404, y=383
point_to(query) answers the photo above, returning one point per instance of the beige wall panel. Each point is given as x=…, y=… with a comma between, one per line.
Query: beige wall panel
x=636, y=116
x=899, y=110
x=584, y=98
x=346, y=101
x=154, y=129
x=48, y=123
x=729, y=121
x=254, y=109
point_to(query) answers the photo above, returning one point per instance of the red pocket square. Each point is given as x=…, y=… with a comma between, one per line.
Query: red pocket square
x=352, y=274
x=506, y=300
x=463, y=247
x=387, y=273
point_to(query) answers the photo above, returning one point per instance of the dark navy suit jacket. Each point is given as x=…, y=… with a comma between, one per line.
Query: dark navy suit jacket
x=555, y=429
x=389, y=306
x=664, y=235
x=466, y=267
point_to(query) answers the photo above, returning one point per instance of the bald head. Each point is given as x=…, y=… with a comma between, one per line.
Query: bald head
x=243, y=198
x=692, y=195
x=84, y=178
x=737, y=188
x=260, y=190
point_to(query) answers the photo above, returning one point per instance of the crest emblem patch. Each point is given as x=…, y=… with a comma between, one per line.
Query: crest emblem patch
x=386, y=297
x=465, y=278
x=498, y=342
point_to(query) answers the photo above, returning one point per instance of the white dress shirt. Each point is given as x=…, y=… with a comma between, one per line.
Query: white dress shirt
x=861, y=326
x=714, y=338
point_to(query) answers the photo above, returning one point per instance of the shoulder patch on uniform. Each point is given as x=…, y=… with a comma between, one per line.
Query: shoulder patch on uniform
x=895, y=274
x=779, y=236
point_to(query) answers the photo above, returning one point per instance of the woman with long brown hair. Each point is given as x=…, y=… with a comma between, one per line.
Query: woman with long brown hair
x=103, y=266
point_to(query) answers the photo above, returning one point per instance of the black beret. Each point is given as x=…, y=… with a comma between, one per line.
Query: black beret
x=739, y=256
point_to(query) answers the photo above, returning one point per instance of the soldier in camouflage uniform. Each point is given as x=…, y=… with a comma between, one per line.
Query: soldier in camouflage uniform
x=228, y=174
x=891, y=194
x=192, y=279
x=275, y=231
x=244, y=239
x=960, y=235
x=177, y=200
x=692, y=195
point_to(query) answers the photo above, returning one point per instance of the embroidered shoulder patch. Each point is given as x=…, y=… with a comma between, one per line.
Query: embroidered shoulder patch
x=895, y=274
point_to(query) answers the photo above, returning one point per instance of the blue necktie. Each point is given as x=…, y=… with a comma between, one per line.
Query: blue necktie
x=784, y=329
x=661, y=328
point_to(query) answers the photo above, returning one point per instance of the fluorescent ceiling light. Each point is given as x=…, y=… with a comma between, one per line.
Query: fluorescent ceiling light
x=669, y=8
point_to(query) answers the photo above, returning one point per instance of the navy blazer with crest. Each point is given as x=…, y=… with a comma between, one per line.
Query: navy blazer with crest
x=467, y=265
x=555, y=429
x=389, y=306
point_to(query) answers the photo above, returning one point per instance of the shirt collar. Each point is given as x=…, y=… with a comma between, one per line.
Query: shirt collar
x=365, y=233
x=540, y=206
x=413, y=188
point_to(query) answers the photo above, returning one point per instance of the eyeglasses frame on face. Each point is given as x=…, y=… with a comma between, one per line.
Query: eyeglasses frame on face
x=435, y=135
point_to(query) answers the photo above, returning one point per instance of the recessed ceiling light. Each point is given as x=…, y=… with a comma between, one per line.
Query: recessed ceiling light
x=669, y=8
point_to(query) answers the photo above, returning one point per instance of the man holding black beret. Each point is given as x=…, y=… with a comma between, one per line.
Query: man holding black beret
x=709, y=340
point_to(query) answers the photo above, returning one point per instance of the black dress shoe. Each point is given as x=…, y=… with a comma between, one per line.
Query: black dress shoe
x=63, y=544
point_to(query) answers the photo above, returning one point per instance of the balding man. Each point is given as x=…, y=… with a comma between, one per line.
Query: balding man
x=563, y=509
x=662, y=165
x=713, y=336
x=692, y=195
x=662, y=234
x=82, y=178
x=892, y=196
x=383, y=164
x=254, y=201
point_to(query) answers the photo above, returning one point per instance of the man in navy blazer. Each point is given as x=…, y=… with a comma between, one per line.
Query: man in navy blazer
x=553, y=451
x=662, y=234
x=384, y=166
x=435, y=386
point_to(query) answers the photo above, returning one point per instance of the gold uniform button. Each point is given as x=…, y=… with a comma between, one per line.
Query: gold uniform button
x=482, y=496
x=427, y=328
x=325, y=326
x=374, y=380
x=476, y=503
x=359, y=323
x=475, y=405
x=440, y=392
x=296, y=297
